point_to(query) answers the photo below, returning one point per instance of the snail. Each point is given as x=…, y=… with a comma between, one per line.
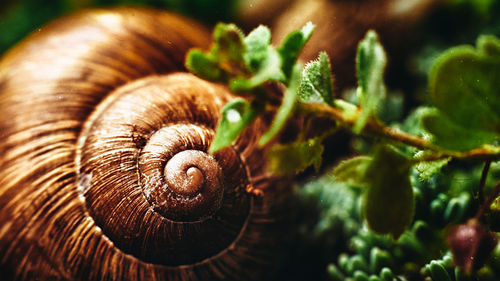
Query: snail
x=104, y=169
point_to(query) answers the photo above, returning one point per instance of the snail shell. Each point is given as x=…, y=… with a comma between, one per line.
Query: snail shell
x=104, y=170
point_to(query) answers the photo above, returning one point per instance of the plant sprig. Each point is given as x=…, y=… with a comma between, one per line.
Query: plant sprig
x=463, y=81
x=246, y=64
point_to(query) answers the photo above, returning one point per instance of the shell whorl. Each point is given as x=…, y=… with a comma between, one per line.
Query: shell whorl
x=104, y=169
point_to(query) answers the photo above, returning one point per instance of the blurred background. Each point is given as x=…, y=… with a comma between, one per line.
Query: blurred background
x=20, y=17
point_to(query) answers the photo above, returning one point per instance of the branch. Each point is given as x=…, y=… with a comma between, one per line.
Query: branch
x=375, y=128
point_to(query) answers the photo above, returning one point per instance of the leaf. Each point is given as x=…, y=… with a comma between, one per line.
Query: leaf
x=413, y=122
x=236, y=116
x=429, y=168
x=353, y=171
x=257, y=47
x=292, y=45
x=228, y=42
x=225, y=57
x=464, y=85
x=269, y=70
x=438, y=271
x=261, y=59
x=451, y=135
x=370, y=66
x=204, y=66
x=245, y=63
x=286, y=108
x=388, y=202
x=489, y=45
x=295, y=157
x=317, y=81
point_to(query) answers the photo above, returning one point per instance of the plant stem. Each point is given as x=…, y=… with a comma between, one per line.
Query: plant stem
x=493, y=194
x=482, y=182
x=375, y=128
x=380, y=130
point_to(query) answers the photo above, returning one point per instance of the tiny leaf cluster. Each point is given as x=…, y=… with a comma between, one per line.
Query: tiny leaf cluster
x=247, y=64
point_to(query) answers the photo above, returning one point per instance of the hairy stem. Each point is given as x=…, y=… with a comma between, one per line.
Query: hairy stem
x=377, y=129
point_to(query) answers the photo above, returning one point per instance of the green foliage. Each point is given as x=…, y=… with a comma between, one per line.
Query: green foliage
x=317, y=84
x=225, y=56
x=249, y=61
x=336, y=202
x=236, y=116
x=292, y=45
x=205, y=66
x=246, y=64
x=295, y=157
x=418, y=254
x=451, y=135
x=286, y=108
x=261, y=59
x=353, y=171
x=464, y=85
x=370, y=67
x=438, y=271
x=480, y=6
x=429, y=168
x=388, y=202
x=442, y=269
x=396, y=200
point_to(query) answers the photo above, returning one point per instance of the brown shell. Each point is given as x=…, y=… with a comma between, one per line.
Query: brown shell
x=92, y=109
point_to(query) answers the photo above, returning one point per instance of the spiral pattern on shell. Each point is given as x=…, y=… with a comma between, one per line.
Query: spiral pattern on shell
x=104, y=169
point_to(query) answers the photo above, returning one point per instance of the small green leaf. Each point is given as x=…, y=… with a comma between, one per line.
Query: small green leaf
x=295, y=157
x=228, y=43
x=261, y=59
x=388, y=202
x=464, y=85
x=225, y=57
x=236, y=116
x=317, y=81
x=335, y=273
x=286, y=108
x=379, y=259
x=386, y=274
x=353, y=171
x=438, y=272
x=370, y=66
x=489, y=45
x=257, y=47
x=204, y=66
x=269, y=70
x=429, y=168
x=292, y=45
x=451, y=135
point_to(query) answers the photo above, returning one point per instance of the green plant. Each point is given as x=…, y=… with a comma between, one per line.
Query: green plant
x=462, y=126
